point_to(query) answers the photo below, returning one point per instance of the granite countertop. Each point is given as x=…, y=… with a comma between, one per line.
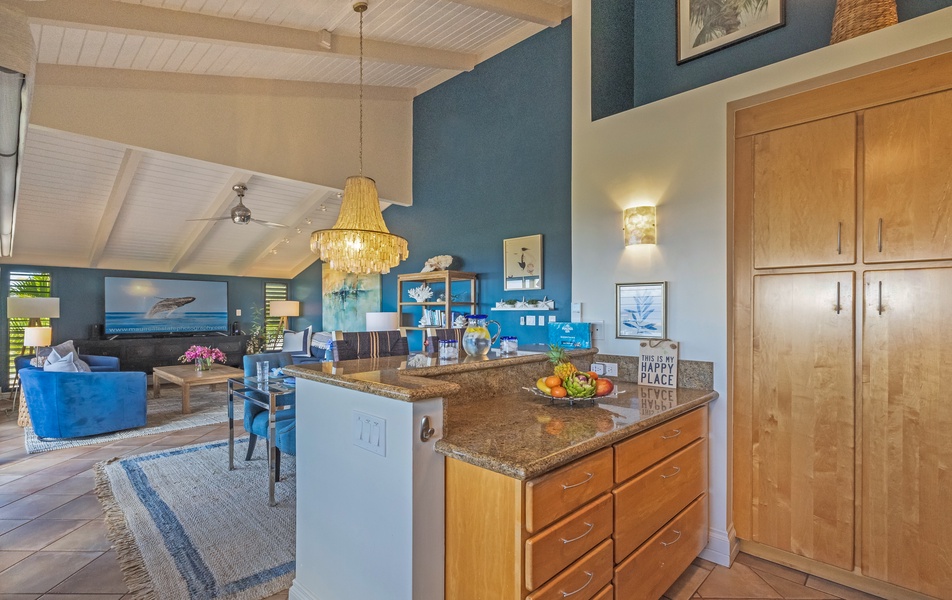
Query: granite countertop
x=410, y=378
x=522, y=435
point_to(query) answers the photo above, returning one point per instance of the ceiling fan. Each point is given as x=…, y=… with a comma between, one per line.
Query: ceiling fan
x=241, y=214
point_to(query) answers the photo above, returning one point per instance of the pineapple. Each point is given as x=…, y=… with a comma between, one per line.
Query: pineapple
x=563, y=368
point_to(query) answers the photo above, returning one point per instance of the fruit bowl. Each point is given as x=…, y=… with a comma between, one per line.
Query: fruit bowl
x=565, y=400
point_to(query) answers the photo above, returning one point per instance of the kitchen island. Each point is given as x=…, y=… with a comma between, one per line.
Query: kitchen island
x=372, y=482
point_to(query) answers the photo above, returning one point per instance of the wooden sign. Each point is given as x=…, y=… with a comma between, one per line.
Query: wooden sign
x=658, y=364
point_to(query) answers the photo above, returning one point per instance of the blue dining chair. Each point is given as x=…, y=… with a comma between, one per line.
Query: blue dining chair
x=257, y=419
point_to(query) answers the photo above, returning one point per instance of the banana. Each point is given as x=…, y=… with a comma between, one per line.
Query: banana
x=542, y=386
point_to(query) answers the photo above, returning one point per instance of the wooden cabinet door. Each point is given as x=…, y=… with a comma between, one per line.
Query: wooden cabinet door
x=907, y=429
x=804, y=194
x=908, y=180
x=802, y=415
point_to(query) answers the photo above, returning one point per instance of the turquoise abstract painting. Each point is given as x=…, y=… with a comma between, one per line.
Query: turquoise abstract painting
x=347, y=298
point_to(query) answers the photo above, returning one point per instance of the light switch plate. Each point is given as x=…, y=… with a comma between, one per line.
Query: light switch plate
x=237, y=312
x=522, y=320
x=370, y=432
x=551, y=318
x=576, y=312
x=599, y=330
x=531, y=320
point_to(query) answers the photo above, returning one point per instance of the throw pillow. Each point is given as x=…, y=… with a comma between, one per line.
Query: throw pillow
x=298, y=343
x=319, y=341
x=69, y=363
x=61, y=349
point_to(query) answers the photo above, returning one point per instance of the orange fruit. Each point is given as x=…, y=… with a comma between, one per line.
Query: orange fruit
x=559, y=391
x=592, y=375
x=553, y=381
x=555, y=427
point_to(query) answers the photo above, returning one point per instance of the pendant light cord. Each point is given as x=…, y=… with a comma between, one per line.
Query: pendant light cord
x=360, y=152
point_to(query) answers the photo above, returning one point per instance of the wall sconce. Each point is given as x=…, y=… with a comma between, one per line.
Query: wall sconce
x=641, y=225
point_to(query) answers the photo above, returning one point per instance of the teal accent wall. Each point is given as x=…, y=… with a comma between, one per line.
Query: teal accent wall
x=83, y=304
x=655, y=73
x=492, y=159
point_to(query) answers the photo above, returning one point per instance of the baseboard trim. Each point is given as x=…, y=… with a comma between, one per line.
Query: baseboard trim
x=721, y=546
x=298, y=592
x=851, y=579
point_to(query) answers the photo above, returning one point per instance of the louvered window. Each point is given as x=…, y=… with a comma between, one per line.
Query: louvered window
x=28, y=285
x=274, y=291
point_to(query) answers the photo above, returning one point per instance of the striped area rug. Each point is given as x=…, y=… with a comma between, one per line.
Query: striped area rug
x=185, y=527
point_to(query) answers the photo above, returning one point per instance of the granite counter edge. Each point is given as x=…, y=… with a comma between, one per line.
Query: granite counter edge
x=428, y=388
x=544, y=465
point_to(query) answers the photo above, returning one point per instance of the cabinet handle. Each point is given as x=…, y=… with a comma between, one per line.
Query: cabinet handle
x=591, y=526
x=674, y=540
x=591, y=576
x=879, y=235
x=676, y=471
x=838, y=306
x=568, y=487
x=676, y=433
x=839, y=238
x=879, y=304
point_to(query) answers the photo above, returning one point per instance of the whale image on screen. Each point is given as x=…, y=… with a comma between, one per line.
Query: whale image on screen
x=143, y=306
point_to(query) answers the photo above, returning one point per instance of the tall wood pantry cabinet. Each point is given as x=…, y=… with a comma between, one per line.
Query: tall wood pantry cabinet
x=842, y=330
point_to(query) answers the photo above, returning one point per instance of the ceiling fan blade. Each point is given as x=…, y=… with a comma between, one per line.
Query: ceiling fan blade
x=268, y=223
x=215, y=219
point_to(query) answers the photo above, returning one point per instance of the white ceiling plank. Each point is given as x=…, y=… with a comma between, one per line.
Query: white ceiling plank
x=117, y=197
x=534, y=11
x=322, y=195
x=224, y=199
x=109, y=16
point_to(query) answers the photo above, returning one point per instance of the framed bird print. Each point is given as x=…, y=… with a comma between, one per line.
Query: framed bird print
x=522, y=263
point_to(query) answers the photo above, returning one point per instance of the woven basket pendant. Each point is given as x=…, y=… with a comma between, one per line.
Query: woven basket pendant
x=856, y=17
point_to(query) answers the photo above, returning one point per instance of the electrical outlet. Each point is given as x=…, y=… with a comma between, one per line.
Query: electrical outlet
x=599, y=330
x=598, y=368
x=551, y=318
x=522, y=320
x=530, y=320
x=237, y=312
x=370, y=433
x=611, y=369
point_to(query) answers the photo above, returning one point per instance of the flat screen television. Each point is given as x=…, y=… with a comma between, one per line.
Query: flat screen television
x=152, y=306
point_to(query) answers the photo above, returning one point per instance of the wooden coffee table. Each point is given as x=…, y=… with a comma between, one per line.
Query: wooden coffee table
x=187, y=375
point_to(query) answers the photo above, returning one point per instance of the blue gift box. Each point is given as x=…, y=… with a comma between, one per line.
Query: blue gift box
x=570, y=335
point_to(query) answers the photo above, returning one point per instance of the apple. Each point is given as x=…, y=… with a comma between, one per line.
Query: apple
x=603, y=387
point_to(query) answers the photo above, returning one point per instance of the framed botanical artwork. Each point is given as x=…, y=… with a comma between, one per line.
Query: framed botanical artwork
x=640, y=310
x=705, y=26
x=522, y=263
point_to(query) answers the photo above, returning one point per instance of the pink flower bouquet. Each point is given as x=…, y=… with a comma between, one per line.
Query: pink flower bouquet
x=203, y=356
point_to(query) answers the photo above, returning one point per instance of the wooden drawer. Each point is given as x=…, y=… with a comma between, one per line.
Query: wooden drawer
x=647, y=502
x=650, y=571
x=558, y=493
x=645, y=449
x=583, y=580
x=558, y=546
x=606, y=594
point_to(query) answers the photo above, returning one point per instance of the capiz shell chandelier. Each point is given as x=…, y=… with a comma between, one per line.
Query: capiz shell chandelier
x=360, y=242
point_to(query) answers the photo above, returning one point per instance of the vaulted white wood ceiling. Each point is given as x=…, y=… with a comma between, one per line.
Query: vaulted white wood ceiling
x=94, y=203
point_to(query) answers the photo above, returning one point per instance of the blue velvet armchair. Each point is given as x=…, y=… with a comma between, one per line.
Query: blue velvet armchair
x=69, y=405
x=97, y=364
x=256, y=419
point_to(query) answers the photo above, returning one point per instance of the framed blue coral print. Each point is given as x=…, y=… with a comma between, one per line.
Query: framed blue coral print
x=640, y=310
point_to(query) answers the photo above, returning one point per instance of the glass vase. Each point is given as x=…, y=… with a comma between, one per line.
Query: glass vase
x=203, y=364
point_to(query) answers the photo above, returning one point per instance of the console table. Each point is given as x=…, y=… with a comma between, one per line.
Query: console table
x=142, y=354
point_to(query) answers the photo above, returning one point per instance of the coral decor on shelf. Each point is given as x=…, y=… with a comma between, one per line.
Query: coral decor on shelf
x=203, y=356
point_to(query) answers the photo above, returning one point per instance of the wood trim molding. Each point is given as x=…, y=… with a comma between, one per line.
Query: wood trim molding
x=855, y=90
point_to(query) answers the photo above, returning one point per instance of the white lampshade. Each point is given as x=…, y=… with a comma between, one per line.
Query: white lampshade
x=285, y=308
x=33, y=308
x=383, y=321
x=37, y=336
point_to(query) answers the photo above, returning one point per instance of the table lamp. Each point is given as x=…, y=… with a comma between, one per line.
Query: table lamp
x=37, y=337
x=284, y=309
x=383, y=321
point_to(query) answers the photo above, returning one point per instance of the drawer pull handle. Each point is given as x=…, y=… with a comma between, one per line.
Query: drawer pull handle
x=676, y=471
x=673, y=541
x=568, y=487
x=676, y=433
x=591, y=576
x=590, y=527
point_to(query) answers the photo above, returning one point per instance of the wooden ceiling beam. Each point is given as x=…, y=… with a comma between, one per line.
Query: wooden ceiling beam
x=117, y=196
x=122, y=17
x=226, y=197
x=533, y=11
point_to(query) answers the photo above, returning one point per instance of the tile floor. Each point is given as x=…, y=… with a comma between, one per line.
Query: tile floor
x=53, y=544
